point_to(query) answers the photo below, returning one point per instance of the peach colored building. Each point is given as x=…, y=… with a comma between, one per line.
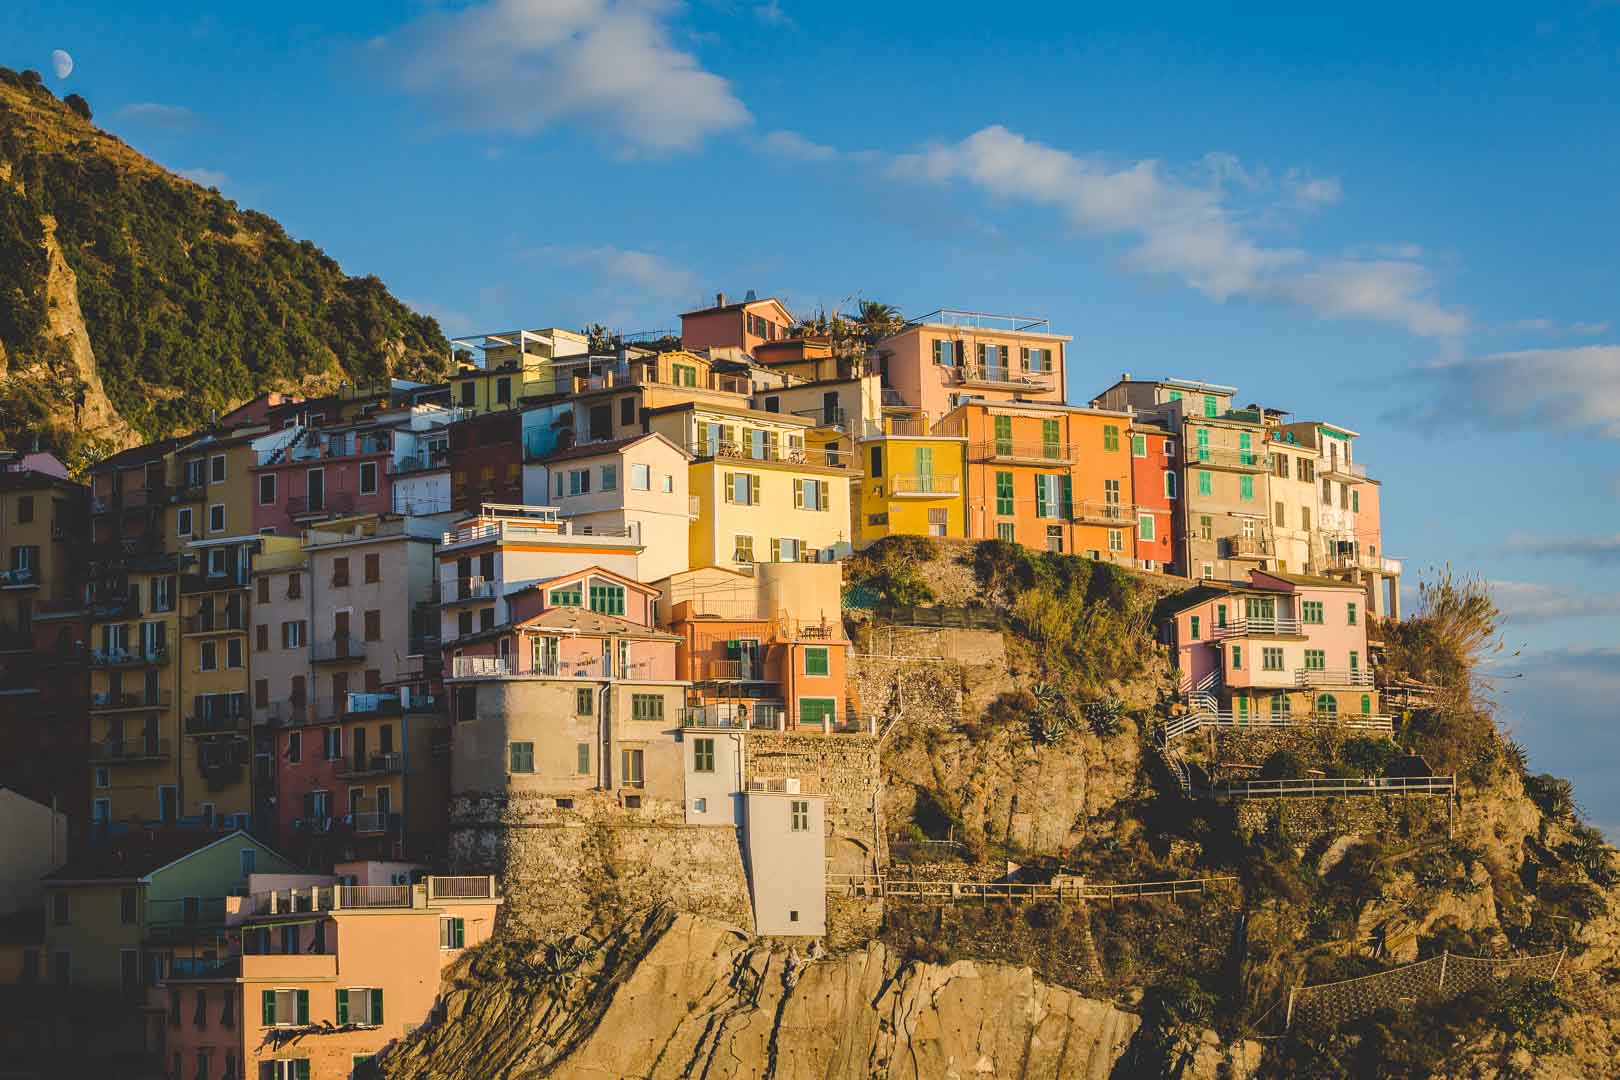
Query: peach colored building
x=946, y=356
x=745, y=325
x=1278, y=645
x=317, y=976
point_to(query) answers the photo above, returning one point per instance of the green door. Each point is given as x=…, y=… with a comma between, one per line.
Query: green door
x=924, y=456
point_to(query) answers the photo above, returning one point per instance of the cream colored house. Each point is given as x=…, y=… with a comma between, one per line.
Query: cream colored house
x=33, y=842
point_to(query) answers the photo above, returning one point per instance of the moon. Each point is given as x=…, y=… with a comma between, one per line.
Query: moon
x=61, y=63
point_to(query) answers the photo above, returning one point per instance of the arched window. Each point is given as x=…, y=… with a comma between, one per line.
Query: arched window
x=1366, y=704
x=1327, y=705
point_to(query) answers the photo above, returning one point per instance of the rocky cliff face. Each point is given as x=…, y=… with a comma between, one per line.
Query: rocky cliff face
x=679, y=996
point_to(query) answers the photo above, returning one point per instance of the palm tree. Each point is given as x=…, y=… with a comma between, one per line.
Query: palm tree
x=877, y=320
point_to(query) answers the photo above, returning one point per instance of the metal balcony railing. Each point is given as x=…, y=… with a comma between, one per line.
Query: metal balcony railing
x=125, y=751
x=422, y=461
x=129, y=657
x=375, y=765
x=217, y=723
x=337, y=650
x=1026, y=452
x=480, y=667
x=23, y=577
x=1105, y=513
x=475, y=588
x=924, y=484
x=1249, y=547
x=827, y=417
x=131, y=700
x=1003, y=376
x=210, y=622
x=1220, y=457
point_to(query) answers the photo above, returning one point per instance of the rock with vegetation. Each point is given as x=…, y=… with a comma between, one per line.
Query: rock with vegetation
x=135, y=304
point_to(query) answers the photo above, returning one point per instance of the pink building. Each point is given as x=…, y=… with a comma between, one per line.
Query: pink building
x=305, y=474
x=1279, y=645
x=317, y=976
x=745, y=325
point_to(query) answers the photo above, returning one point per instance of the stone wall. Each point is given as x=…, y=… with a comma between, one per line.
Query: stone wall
x=924, y=693
x=843, y=768
x=1316, y=744
x=561, y=868
x=1302, y=820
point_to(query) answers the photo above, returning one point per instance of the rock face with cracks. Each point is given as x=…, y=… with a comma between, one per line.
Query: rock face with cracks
x=679, y=996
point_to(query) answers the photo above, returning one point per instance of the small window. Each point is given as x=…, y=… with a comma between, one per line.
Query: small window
x=216, y=469
x=267, y=489
x=1237, y=658
x=816, y=660
x=799, y=814
x=182, y=521
x=216, y=518
x=877, y=462
x=368, y=478
x=522, y=757
x=1350, y=613
x=452, y=932
x=640, y=477
x=1197, y=629
x=1311, y=612
x=285, y=1008
x=648, y=707
x=703, y=755
x=582, y=758
x=360, y=1006
x=295, y=748
x=1139, y=446
x=584, y=701
x=610, y=478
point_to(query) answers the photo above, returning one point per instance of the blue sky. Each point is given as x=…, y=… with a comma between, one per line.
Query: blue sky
x=1397, y=218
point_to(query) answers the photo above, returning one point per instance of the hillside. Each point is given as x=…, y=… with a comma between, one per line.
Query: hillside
x=1038, y=745
x=134, y=303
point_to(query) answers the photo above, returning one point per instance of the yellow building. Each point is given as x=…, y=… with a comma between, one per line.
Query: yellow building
x=210, y=489
x=913, y=482
x=516, y=365
x=761, y=490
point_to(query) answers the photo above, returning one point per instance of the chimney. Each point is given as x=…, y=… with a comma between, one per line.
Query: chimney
x=1124, y=376
x=719, y=299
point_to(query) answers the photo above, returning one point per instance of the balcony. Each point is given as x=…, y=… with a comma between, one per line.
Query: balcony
x=649, y=375
x=1003, y=378
x=481, y=667
x=1015, y=453
x=125, y=700
x=1249, y=547
x=129, y=751
x=1341, y=468
x=1216, y=457
x=209, y=621
x=227, y=722
x=827, y=417
x=734, y=670
x=1351, y=560
x=474, y=588
x=913, y=426
x=188, y=491
x=289, y=714
x=1355, y=678
x=924, y=485
x=333, y=502
x=1261, y=627
x=390, y=764
x=1117, y=515
x=130, y=658
x=337, y=650
x=735, y=451
x=422, y=461
x=369, y=821
x=714, y=718
x=23, y=577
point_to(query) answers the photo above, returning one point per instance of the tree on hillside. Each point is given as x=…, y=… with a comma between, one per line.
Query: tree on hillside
x=78, y=105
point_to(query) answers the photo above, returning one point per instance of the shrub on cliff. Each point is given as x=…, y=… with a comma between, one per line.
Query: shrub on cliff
x=892, y=569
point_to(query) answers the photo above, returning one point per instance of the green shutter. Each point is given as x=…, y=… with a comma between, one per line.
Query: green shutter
x=303, y=1006
x=269, y=1007
x=1067, y=498
x=301, y=1068
x=459, y=927
x=376, y=1007
x=1205, y=484
x=1040, y=496
x=1004, y=493
x=342, y=1006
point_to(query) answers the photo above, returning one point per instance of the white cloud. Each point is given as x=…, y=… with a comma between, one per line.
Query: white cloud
x=208, y=178
x=650, y=273
x=1529, y=602
x=1600, y=549
x=793, y=145
x=1589, y=329
x=520, y=66
x=155, y=114
x=1574, y=390
x=1557, y=329
x=771, y=14
x=1188, y=230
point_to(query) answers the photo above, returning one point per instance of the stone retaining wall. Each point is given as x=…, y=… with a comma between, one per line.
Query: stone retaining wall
x=1301, y=820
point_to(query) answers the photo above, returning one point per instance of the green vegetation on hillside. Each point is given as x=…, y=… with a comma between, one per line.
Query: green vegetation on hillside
x=192, y=304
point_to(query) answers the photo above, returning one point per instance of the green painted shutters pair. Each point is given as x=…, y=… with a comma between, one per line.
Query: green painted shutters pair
x=268, y=1001
x=1004, y=494
x=343, y=1006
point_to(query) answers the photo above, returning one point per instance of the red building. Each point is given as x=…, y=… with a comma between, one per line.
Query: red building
x=486, y=461
x=315, y=472
x=1153, y=480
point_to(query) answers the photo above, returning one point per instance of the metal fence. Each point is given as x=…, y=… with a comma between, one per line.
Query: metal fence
x=1435, y=979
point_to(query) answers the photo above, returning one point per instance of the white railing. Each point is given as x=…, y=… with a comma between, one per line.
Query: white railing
x=1324, y=787
x=475, y=887
x=480, y=667
x=1259, y=626
x=1333, y=677
x=1189, y=722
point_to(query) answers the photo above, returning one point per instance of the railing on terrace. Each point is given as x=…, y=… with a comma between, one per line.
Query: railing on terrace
x=317, y=898
x=211, y=621
x=188, y=491
x=317, y=536
x=649, y=375
x=1181, y=725
x=1334, y=465
x=1350, y=560
x=963, y=618
x=479, y=667
x=1220, y=457
x=914, y=426
x=213, y=723
x=422, y=461
x=1063, y=889
x=376, y=822
x=113, y=751
x=330, y=448
x=1326, y=786
x=131, y=699
x=713, y=718
x=924, y=484
x=986, y=375
x=1260, y=626
x=827, y=417
x=128, y=657
x=475, y=588
x=374, y=764
x=983, y=320
x=1105, y=513
x=536, y=526
x=337, y=650
x=1249, y=547
x=741, y=451
x=1033, y=452
x=1333, y=677
x=474, y=887
x=289, y=713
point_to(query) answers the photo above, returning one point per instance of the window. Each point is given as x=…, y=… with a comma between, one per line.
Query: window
x=607, y=599
x=1315, y=660
x=685, y=375
x=340, y=571
x=295, y=748
x=1208, y=571
x=877, y=462
x=332, y=743
x=584, y=701
x=216, y=518
x=799, y=816
x=938, y=522
x=1051, y=439
x=1305, y=518
x=647, y=707
x=216, y=469
x=1144, y=527
x=503, y=390
x=1246, y=488
x=209, y=661
x=292, y=634
x=25, y=509
x=1209, y=405
x=742, y=489
x=1005, y=530
x=1202, y=439
x=1197, y=632
x=368, y=478
x=1355, y=661
x=632, y=774
x=1327, y=705
x=1110, y=437
x=703, y=755
x=1004, y=494
x=233, y=654
x=1237, y=658
x=522, y=757
x=1003, y=426
x=815, y=660
x=945, y=352
x=283, y=1008
x=1170, y=485
x=1271, y=658
x=362, y=1006
x=786, y=549
x=667, y=483
x=464, y=623
x=640, y=478
x=1280, y=705
x=1052, y=498
x=1139, y=446
x=817, y=711
x=579, y=482
x=1355, y=501
x=373, y=623
x=1311, y=612
x=811, y=494
x=127, y=897
x=1366, y=704
x=267, y=489
x=610, y=478
x=1220, y=616
x=1206, y=483
x=1350, y=615
x=452, y=932
x=1206, y=528
x=1279, y=517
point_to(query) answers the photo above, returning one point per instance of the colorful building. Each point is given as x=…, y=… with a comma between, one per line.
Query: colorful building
x=746, y=325
x=505, y=370
x=317, y=974
x=945, y=357
x=914, y=482
x=1155, y=488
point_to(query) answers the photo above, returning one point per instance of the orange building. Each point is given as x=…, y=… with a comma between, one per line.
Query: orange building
x=1055, y=477
x=745, y=325
x=318, y=975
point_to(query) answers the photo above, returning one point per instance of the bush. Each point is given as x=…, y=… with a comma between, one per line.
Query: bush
x=1368, y=757
x=892, y=569
x=1554, y=795
x=1106, y=717
x=1282, y=765
x=78, y=105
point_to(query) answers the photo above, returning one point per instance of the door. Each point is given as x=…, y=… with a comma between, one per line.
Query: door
x=924, y=460
x=168, y=805
x=340, y=632
x=357, y=739
x=748, y=655
x=829, y=408
x=385, y=804
x=315, y=489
